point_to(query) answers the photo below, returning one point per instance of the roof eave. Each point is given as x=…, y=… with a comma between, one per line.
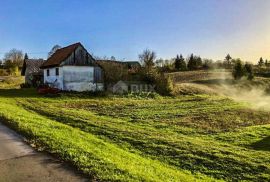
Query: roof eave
x=49, y=66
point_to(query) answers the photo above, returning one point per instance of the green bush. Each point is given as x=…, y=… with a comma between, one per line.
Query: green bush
x=249, y=71
x=148, y=76
x=238, y=70
x=164, y=84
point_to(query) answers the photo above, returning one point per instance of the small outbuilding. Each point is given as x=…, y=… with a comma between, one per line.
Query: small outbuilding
x=32, y=72
x=72, y=68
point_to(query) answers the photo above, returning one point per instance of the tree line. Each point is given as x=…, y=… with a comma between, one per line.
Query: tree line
x=193, y=62
x=12, y=62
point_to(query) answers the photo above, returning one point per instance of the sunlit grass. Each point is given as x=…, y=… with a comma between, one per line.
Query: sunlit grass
x=184, y=138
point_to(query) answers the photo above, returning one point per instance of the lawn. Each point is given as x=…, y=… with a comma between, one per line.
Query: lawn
x=119, y=138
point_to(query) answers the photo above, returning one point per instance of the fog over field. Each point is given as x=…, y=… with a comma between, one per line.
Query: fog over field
x=256, y=93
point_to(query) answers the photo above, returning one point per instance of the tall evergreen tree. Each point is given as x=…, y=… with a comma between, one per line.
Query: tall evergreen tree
x=198, y=62
x=228, y=57
x=183, y=64
x=261, y=62
x=25, y=56
x=194, y=62
x=191, y=62
x=266, y=63
x=177, y=63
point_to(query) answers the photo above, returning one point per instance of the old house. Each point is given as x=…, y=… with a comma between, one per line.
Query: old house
x=32, y=72
x=72, y=68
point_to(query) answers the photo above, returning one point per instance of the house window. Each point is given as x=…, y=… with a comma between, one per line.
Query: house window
x=56, y=71
x=48, y=72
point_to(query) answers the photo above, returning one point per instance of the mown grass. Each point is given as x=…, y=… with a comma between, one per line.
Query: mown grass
x=92, y=155
x=110, y=138
x=186, y=138
x=183, y=132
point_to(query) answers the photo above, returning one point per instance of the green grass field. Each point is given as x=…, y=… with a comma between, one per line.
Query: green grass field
x=183, y=138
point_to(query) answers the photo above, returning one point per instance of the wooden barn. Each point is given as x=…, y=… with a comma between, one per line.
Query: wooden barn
x=32, y=72
x=72, y=68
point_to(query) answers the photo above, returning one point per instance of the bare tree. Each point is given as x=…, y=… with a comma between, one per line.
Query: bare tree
x=53, y=50
x=147, y=58
x=15, y=57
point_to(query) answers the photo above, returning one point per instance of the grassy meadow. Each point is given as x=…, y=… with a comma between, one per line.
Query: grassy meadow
x=195, y=137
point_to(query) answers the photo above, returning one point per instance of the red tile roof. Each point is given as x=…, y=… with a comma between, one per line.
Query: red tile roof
x=60, y=55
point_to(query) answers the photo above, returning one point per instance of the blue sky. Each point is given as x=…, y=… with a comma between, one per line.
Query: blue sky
x=124, y=28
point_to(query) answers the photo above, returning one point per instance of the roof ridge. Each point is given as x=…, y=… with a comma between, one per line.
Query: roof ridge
x=77, y=43
x=61, y=54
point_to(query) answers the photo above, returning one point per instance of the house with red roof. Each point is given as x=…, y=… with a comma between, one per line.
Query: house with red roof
x=72, y=68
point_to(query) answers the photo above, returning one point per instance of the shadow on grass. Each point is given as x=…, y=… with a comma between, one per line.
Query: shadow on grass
x=19, y=93
x=263, y=144
x=32, y=93
x=215, y=81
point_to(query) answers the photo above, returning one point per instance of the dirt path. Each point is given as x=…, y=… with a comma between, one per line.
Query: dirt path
x=19, y=162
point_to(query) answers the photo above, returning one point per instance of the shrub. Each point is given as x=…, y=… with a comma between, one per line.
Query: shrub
x=164, y=85
x=238, y=70
x=14, y=70
x=3, y=72
x=249, y=71
x=114, y=71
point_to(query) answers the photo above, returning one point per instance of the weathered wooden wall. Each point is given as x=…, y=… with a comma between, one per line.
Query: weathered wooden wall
x=80, y=57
